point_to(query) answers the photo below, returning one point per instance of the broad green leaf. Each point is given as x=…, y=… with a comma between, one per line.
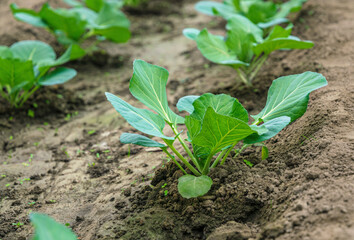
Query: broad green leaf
x=112, y=24
x=279, y=32
x=289, y=95
x=95, y=5
x=265, y=153
x=288, y=7
x=141, y=119
x=186, y=103
x=219, y=131
x=86, y=14
x=148, y=85
x=261, y=11
x=35, y=51
x=213, y=8
x=222, y=104
x=131, y=138
x=62, y=19
x=241, y=23
x=190, y=186
x=273, y=126
x=191, y=33
x=58, y=76
x=269, y=46
x=215, y=49
x=5, y=52
x=77, y=52
x=193, y=125
x=16, y=73
x=27, y=16
x=47, y=228
x=241, y=43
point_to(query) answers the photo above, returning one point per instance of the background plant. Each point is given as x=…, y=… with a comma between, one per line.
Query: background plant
x=47, y=228
x=244, y=48
x=101, y=19
x=263, y=13
x=28, y=65
x=216, y=124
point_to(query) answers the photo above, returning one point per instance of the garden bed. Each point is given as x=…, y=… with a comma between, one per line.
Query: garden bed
x=82, y=175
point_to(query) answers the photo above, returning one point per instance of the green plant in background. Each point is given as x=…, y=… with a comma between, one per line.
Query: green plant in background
x=47, y=228
x=244, y=48
x=28, y=65
x=263, y=13
x=215, y=124
x=72, y=27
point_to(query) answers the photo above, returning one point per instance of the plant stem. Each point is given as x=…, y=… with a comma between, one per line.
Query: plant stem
x=186, y=148
x=195, y=171
x=242, y=77
x=241, y=149
x=207, y=164
x=218, y=158
x=26, y=96
x=174, y=160
x=227, y=153
x=258, y=67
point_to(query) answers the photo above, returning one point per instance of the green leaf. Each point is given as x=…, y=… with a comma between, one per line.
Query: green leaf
x=16, y=74
x=241, y=23
x=35, y=51
x=58, y=76
x=191, y=33
x=219, y=131
x=241, y=43
x=288, y=7
x=190, y=186
x=279, y=32
x=186, y=103
x=273, y=126
x=95, y=5
x=73, y=3
x=141, y=119
x=131, y=138
x=47, y=228
x=291, y=42
x=112, y=24
x=272, y=23
x=77, y=52
x=261, y=11
x=289, y=95
x=215, y=49
x=265, y=153
x=213, y=8
x=27, y=16
x=5, y=52
x=63, y=20
x=148, y=85
x=222, y=104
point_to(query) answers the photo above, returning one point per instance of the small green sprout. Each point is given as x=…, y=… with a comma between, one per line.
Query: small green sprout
x=11, y=137
x=30, y=113
x=18, y=224
x=165, y=192
x=35, y=105
x=163, y=186
x=91, y=132
x=31, y=203
x=248, y=163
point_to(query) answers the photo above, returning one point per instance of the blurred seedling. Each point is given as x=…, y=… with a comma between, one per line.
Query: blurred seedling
x=18, y=224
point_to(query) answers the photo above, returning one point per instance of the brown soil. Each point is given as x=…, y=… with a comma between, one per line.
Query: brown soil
x=303, y=191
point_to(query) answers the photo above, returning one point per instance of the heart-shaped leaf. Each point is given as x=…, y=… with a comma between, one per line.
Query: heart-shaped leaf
x=47, y=228
x=186, y=103
x=58, y=76
x=148, y=85
x=219, y=131
x=289, y=95
x=34, y=51
x=191, y=33
x=190, y=186
x=141, y=119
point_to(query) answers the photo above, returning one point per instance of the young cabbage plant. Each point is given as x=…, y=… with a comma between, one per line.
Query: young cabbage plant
x=263, y=13
x=215, y=124
x=28, y=65
x=72, y=27
x=47, y=228
x=244, y=47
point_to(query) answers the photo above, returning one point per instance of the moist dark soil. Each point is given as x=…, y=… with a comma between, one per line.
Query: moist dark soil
x=66, y=160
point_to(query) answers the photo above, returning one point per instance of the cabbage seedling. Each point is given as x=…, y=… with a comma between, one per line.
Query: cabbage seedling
x=263, y=13
x=28, y=65
x=47, y=228
x=244, y=47
x=215, y=124
x=100, y=19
